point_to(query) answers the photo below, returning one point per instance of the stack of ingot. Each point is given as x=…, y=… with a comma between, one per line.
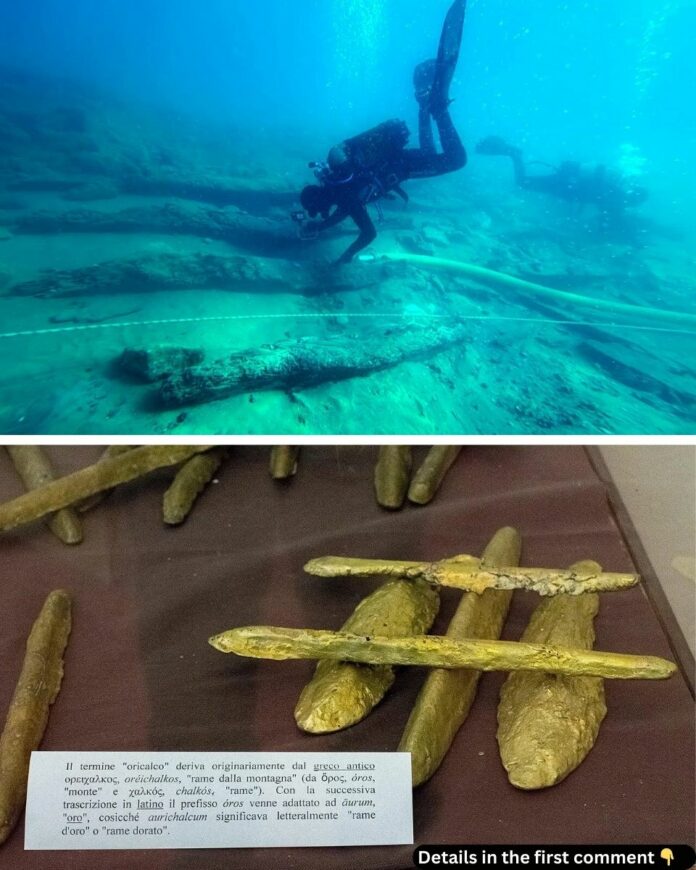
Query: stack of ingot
x=552, y=704
x=553, y=701
x=60, y=500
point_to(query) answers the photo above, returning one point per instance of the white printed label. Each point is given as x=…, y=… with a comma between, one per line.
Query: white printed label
x=198, y=800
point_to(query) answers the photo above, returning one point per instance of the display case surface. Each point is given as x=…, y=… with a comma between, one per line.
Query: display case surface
x=140, y=675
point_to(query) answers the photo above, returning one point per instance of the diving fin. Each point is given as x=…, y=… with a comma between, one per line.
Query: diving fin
x=447, y=57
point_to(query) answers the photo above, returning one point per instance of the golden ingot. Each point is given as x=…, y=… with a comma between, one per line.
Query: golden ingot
x=268, y=642
x=470, y=574
x=342, y=693
x=547, y=723
x=446, y=697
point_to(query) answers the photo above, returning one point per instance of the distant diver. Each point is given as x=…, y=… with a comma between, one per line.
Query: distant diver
x=373, y=165
x=608, y=190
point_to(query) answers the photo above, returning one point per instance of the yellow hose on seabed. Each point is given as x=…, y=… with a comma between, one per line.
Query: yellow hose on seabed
x=499, y=280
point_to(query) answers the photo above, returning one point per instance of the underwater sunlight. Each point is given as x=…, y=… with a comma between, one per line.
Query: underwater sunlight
x=213, y=219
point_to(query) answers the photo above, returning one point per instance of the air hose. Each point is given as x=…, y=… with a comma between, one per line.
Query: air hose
x=501, y=281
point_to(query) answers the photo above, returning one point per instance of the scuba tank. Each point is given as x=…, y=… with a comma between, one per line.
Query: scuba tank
x=377, y=146
x=368, y=160
x=363, y=155
x=370, y=157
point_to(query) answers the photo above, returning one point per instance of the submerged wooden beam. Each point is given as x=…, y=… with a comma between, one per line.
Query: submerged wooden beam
x=103, y=475
x=152, y=273
x=303, y=362
x=257, y=235
x=470, y=574
x=266, y=642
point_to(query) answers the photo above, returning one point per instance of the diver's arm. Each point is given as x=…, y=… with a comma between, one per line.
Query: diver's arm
x=368, y=233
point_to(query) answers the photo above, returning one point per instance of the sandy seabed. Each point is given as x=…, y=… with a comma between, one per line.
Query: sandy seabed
x=111, y=241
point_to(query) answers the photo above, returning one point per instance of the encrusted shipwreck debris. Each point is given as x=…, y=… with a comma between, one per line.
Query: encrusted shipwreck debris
x=291, y=364
x=172, y=218
x=167, y=270
x=161, y=271
x=154, y=363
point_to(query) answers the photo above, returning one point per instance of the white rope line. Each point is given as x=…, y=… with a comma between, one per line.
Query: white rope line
x=327, y=315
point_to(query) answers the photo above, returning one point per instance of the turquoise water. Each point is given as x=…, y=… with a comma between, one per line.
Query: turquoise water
x=151, y=155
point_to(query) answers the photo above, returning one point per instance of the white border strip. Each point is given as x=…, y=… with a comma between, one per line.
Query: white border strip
x=355, y=440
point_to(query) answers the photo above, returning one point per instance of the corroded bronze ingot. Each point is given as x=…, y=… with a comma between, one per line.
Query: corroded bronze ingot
x=37, y=688
x=427, y=479
x=35, y=469
x=392, y=474
x=283, y=462
x=190, y=481
x=468, y=573
x=103, y=475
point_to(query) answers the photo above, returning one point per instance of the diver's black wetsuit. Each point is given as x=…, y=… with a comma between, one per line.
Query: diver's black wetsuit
x=350, y=190
x=598, y=186
x=570, y=181
x=351, y=198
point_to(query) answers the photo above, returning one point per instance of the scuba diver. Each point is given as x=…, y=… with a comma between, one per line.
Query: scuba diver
x=373, y=165
x=611, y=192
